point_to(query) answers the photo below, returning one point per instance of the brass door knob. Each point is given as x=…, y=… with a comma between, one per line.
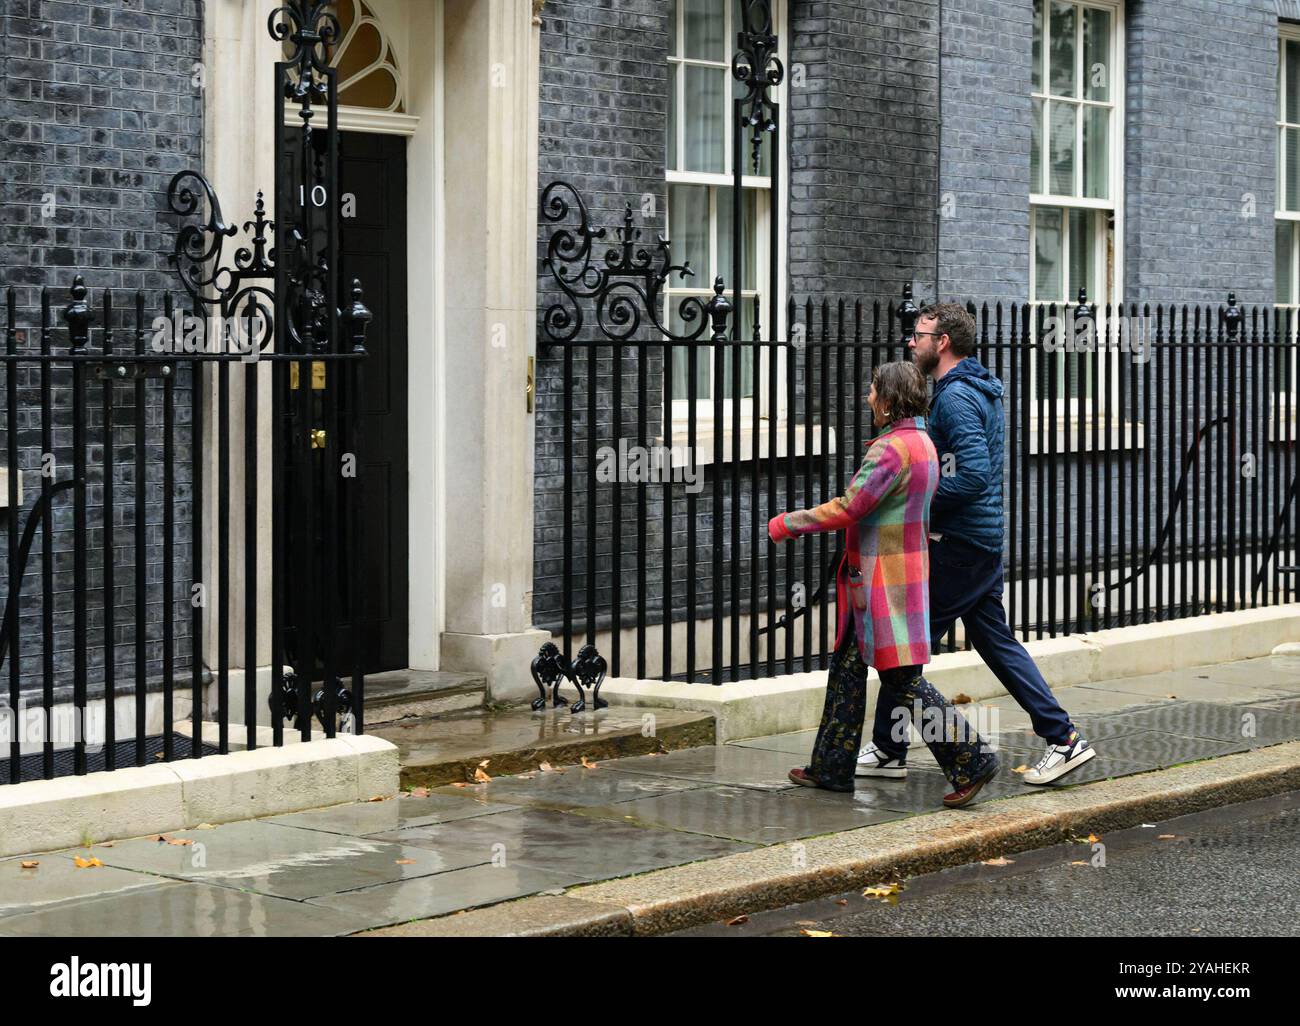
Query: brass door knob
x=318, y=438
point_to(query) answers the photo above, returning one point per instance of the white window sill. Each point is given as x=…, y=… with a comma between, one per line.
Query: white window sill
x=1111, y=433
x=705, y=436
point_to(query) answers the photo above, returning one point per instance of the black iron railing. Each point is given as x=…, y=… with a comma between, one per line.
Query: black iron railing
x=1149, y=473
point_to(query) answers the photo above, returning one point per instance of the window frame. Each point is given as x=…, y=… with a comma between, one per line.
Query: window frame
x=1286, y=33
x=1108, y=266
x=702, y=283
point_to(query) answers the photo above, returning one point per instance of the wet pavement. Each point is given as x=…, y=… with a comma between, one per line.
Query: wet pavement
x=355, y=867
x=1226, y=872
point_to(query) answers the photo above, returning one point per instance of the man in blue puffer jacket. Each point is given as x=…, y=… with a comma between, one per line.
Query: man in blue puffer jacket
x=966, y=533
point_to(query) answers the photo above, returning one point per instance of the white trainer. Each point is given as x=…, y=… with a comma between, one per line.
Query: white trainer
x=1059, y=760
x=872, y=762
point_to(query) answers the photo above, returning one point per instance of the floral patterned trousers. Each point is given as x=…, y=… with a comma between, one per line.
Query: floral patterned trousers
x=961, y=754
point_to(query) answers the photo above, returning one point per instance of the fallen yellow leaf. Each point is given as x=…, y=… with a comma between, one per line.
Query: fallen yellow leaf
x=545, y=767
x=884, y=891
x=817, y=933
x=404, y=862
x=480, y=776
x=484, y=763
x=459, y=783
x=1078, y=863
x=738, y=921
x=86, y=863
x=419, y=792
x=961, y=698
x=205, y=826
x=587, y=763
x=1021, y=769
x=1093, y=838
x=31, y=865
x=999, y=861
x=1166, y=837
x=379, y=798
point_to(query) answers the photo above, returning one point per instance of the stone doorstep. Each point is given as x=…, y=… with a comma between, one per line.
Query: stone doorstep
x=447, y=751
x=405, y=694
x=47, y=815
x=714, y=890
x=790, y=702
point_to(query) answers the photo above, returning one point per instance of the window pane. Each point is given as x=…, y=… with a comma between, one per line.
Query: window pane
x=749, y=242
x=1061, y=69
x=1283, y=234
x=1083, y=255
x=746, y=356
x=1061, y=179
x=705, y=133
x=1292, y=166
x=688, y=230
x=1038, y=47
x=674, y=71
x=705, y=29
x=1096, y=152
x=1048, y=280
x=681, y=356
x=1036, y=150
x=1292, y=81
x=1096, y=53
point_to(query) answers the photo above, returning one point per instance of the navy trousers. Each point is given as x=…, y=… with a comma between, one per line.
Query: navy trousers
x=966, y=583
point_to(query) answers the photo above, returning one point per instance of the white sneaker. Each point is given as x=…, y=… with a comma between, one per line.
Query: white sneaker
x=1059, y=760
x=872, y=762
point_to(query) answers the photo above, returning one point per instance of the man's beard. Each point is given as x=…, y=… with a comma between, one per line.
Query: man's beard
x=925, y=362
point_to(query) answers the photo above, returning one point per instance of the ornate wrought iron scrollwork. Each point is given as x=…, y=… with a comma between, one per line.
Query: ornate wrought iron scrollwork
x=627, y=284
x=549, y=669
x=757, y=66
x=588, y=674
x=312, y=29
x=197, y=256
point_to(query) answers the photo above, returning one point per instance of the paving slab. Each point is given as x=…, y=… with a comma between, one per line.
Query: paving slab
x=717, y=764
x=438, y=895
x=543, y=915
x=361, y=818
x=441, y=750
x=1182, y=685
x=570, y=788
x=176, y=909
x=561, y=842
x=283, y=861
x=1274, y=673
x=742, y=813
x=57, y=879
x=1252, y=725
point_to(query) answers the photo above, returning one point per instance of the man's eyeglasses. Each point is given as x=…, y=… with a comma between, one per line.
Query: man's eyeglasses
x=932, y=334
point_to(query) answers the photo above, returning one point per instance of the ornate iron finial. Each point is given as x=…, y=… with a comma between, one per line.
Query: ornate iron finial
x=78, y=314
x=758, y=68
x=1083, y=311
x=355, y=317
x=908, y=312
x=719, y=309
x=1232, y=316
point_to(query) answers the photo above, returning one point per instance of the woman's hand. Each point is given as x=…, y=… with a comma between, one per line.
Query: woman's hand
x=776, y=529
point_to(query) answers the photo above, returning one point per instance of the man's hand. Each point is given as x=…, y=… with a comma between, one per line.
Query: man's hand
x=776, y=529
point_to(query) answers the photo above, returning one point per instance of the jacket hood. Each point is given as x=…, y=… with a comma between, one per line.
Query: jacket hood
x=975, y=374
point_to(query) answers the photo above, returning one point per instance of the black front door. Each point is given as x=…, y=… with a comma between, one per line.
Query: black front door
x=372, y=185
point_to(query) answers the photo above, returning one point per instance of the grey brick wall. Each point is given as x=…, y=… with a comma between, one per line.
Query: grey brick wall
x=863, y=114
x=984, y=157
x=98, y=110
x=1200, y=149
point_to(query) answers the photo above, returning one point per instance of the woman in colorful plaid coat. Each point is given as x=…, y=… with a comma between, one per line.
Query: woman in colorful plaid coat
x=882, y=596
